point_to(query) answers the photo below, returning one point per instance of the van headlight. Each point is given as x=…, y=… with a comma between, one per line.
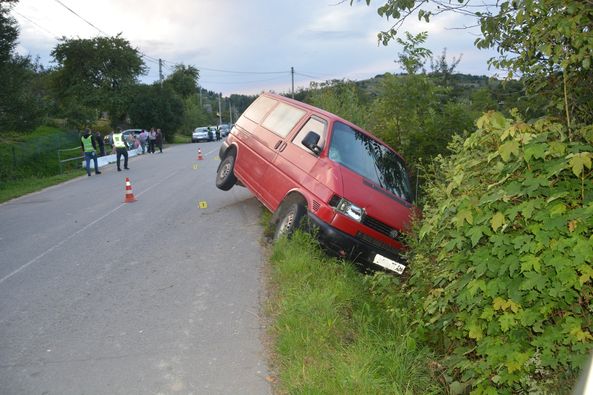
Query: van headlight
x=349, y=209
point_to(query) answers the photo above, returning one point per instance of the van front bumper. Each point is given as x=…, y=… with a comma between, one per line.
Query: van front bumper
x=361, y=248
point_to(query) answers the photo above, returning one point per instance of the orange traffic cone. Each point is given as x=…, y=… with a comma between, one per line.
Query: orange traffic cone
x=200, y=157
x=129, y=194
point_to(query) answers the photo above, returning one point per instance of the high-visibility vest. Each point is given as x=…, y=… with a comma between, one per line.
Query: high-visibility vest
x=118, y=140
x=87, y=143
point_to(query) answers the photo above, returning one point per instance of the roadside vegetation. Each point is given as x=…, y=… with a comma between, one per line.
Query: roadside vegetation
x=29, y=161
x=333, y=332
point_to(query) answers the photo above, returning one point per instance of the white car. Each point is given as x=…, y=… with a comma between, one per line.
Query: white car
x=200, y=134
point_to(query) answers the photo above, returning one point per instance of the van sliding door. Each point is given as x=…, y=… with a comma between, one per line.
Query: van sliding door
x=270, y=140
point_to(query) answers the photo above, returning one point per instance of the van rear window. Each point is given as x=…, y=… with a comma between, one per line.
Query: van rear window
x=283, y=119
x=259, y=108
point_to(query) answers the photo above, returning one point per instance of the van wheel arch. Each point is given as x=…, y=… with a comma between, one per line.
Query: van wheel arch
x=290, y=216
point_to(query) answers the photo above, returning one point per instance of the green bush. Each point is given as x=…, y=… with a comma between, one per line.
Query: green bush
x=35, y=154
x=503, y=260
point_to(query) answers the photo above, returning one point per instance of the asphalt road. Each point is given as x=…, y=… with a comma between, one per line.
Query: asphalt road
x=158, y=296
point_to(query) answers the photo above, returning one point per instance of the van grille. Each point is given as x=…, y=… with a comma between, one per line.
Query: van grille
x=381, y=227
x=377, y=244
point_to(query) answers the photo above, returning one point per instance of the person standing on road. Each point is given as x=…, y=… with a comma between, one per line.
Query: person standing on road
x=151, y=140
x=99, y=140
x=89, y=147
x=143, y=136
x=121, y=148
x=159, y=140
x=110, y=137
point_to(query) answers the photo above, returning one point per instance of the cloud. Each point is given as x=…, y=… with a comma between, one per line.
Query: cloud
x=319, y=38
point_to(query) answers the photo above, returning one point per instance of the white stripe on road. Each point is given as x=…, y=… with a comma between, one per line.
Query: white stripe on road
x=38, y=257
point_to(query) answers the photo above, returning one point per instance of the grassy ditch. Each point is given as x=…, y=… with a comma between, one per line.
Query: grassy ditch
x=12, y=189
x=29, y=161
x=331, y=333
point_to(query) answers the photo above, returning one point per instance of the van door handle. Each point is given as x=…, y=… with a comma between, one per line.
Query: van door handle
x=282, y=146
x=278, y=144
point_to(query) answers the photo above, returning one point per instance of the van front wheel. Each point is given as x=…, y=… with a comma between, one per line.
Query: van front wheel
x=291, y=218
x=225, y=176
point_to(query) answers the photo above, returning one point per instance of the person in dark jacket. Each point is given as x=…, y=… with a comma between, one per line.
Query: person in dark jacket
x=89, y=147
x=99, y=140
x=159, y=140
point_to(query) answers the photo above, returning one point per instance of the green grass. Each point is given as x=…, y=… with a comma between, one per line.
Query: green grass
x=12, y=189
x=330, y=331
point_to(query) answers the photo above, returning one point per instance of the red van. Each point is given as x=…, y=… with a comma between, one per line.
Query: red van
x=303, y=162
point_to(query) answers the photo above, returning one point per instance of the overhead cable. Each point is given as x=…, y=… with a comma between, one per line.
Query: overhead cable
x=72, y=11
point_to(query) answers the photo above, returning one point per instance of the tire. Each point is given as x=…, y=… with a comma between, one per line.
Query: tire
x=225, y=176
x=290, y=219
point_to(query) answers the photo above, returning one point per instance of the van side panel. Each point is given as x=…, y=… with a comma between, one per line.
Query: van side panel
x=251, y=166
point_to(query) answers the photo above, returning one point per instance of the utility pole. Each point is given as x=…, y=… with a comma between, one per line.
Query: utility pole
x=292, y=75
x=219, y=108
x=200, y=88
x=230, y=112
x=161, y=71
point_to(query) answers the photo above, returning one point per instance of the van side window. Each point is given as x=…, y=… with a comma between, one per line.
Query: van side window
x=316, y=125
x=259, y=108
x=283, y=119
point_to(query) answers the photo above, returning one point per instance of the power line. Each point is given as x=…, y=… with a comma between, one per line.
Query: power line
x=166, y=61
x=150, y=58
x=172, y=68
x=36, y=24
x=241, y=81
x=243, y=72
x=308, y=76
x=231, y=71
x=72, y=11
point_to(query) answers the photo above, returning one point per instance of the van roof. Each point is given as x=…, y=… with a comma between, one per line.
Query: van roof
x=331, y=116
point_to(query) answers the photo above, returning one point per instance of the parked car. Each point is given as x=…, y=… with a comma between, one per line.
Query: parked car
x=127, y=132
x=200, y=134
x=311, y=167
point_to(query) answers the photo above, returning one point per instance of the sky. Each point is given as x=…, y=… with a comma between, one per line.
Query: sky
x=246, y=46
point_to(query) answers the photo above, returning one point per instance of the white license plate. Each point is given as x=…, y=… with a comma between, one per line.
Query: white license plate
x=389, y=264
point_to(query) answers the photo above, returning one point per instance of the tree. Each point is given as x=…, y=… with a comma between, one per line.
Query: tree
x=94, y=75
x=414, y=56
x=8, y=31
x=442, y=69
x=549, y=42
x=22, y=105
x=184, y=80
x=156, y=106
x=342, y=98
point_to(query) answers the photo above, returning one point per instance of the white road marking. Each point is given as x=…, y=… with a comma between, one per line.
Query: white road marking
x=38, y=257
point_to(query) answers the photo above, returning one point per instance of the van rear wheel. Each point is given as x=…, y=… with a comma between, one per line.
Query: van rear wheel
x=290, y=219
x=225, y=176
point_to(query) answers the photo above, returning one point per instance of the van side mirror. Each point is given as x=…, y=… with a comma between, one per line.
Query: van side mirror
x=310, y=141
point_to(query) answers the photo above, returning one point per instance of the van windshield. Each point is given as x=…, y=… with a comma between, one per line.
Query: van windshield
x=371, y=160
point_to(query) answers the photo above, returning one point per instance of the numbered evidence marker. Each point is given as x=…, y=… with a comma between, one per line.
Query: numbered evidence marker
x=203, y=204
x=196, y=167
